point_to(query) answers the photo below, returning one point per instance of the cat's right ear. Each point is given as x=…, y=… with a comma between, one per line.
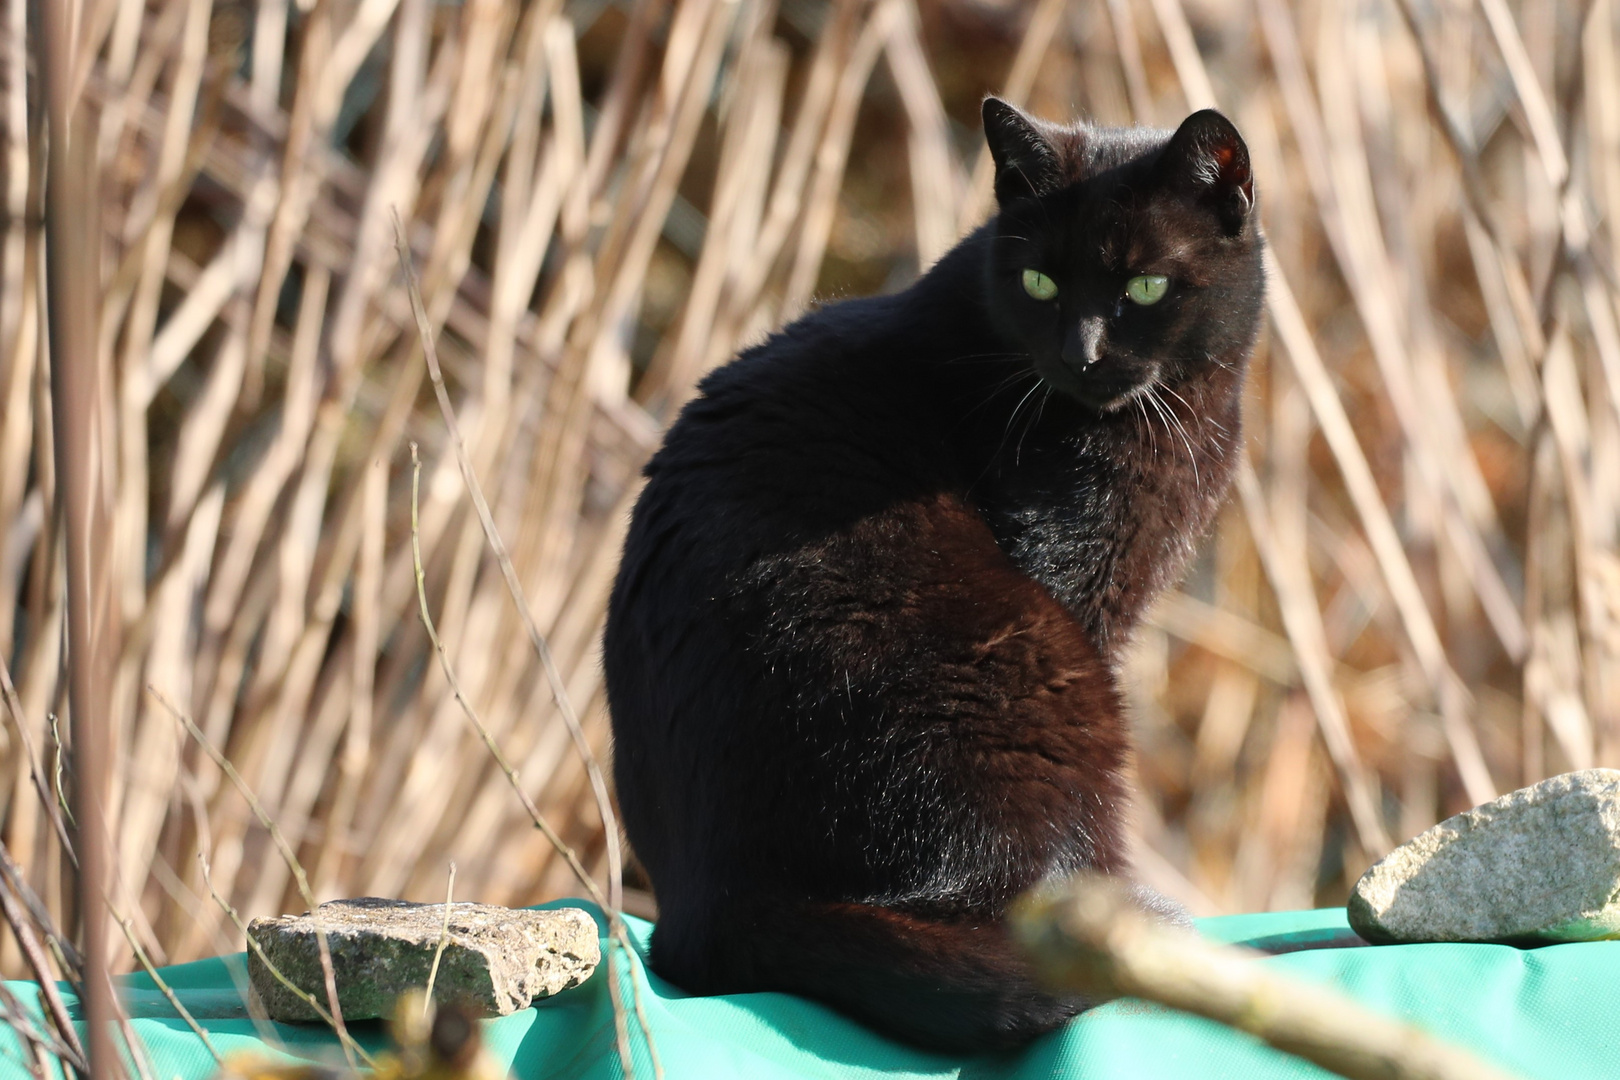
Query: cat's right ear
x=1207, y=158
x=1026, y=162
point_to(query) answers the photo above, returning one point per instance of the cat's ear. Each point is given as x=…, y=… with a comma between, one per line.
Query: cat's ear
x=1026, y=162
x=1206, y=158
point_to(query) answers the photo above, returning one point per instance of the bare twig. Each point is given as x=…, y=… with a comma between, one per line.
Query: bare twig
x=568, y=853
x=133, y=1045
x=444, y=939
x=42, y=974
x=72, y=964
x=351, y=1049
x=14, y=709
x=163, y=987
x=1089, y=937
x=29, y=1036
x=1303, y=621
x=335, y=1017
x=554, y=679
x=494, y=748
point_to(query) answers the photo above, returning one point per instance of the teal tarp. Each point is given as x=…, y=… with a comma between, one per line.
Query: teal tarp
x=1550, y=1013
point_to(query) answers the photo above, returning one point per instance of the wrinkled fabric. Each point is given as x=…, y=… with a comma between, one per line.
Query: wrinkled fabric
x=1550, y=1013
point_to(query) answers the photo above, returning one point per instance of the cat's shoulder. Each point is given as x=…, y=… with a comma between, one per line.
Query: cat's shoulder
x=833, y=328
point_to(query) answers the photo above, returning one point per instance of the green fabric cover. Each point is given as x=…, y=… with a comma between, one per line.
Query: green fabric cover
x=1550, y=1013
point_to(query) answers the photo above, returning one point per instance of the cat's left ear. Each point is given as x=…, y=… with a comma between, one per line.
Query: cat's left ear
x=1207, y=158
x=1026, y=162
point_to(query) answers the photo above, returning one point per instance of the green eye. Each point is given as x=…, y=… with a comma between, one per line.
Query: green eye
x=1038, y=285
x=1147, y=289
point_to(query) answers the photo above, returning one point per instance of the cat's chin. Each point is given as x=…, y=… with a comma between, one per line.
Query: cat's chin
x=1115, y=404
x=1100, y=391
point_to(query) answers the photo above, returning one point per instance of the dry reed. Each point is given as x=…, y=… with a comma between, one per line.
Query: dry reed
x=1412, y=604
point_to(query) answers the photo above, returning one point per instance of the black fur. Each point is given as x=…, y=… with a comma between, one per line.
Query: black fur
x=859, y=653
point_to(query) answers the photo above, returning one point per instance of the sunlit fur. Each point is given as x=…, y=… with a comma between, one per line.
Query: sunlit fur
x=860, y=652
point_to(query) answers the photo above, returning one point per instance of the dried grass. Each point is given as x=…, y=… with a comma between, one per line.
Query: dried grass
x=1411, y=605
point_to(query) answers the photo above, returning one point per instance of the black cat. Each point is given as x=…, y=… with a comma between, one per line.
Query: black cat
x=860, y=651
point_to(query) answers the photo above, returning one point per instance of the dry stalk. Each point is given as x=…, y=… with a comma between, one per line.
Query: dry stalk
x=621, y=1029
x=27, y=1035
x=471, y=714
x=1089, y=937
x=37, y=963
x=164, y=988
x=444, y=939
x=14, y=709
x=69, y=962
x=351, y=1049
x=1303, y=620
x=76, y=400
x=1399, y=577
x=335, y=1017
x=133, y=1045
x=554, y=677
x=1020, y=81
x=1341, y=181
x=832, y=156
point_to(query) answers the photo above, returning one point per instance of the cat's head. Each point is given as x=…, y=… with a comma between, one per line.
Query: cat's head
x=1123, y=257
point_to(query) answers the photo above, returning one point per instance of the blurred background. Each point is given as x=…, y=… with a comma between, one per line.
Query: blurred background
x=1410, y=605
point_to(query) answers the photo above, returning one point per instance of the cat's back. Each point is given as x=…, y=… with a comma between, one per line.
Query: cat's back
x=815, y=427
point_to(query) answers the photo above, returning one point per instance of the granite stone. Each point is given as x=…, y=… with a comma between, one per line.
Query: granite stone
x=1541, y=864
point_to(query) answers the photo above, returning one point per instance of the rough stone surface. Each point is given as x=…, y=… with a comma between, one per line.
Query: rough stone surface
x=496, y=960
x=1540, y=864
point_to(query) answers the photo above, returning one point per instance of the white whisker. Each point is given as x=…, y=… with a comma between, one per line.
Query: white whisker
x=1014, y=417
x=1170, y=417
x=1147, y=424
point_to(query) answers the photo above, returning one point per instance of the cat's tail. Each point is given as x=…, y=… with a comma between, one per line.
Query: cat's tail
x=951, y=986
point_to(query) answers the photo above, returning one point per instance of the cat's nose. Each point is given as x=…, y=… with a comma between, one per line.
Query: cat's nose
x=1084, y=344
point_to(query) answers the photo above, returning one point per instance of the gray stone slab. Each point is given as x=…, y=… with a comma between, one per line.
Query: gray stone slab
x=1540, y=864
x=496, y=960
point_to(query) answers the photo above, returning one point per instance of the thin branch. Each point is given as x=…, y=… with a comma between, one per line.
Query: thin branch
x=554, y=679
x=29, y=944
x=559, y=690
x=70, y=963
x=14, y=709
x=490, y=744
x=351, y=1049
x=287, y=855
x=444, y=939
x=22, y=1027
x=621, y=1031
x=132, y=1041
x=168, y=992
x=1088, y=936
